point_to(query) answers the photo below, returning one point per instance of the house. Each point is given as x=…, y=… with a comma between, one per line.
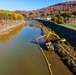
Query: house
x=73, y=20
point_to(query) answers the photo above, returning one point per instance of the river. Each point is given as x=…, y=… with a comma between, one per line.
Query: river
x=19, y=53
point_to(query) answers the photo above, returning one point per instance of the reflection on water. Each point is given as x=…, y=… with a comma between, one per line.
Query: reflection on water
x=20, y=55
x=6, y=37
x=32, y=22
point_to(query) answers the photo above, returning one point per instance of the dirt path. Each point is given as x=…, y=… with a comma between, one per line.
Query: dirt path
x=57, y=66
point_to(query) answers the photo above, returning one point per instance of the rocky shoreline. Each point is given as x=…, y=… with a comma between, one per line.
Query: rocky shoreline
x=6, y=26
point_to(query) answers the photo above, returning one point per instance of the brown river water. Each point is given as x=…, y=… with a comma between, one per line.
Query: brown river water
x=19, y=53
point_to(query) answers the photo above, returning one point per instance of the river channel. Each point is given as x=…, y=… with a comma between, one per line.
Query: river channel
x=19, y=53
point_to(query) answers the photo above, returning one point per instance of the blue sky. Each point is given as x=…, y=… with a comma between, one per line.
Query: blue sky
x=27, y=4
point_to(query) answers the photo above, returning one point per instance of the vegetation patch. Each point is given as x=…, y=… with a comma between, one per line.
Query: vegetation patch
x=7, y=15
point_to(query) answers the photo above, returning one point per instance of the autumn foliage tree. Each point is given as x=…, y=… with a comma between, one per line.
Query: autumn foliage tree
x=66, y=15
x=7, y=15
x=54, y=19
x=15, y=16
x=60, y=19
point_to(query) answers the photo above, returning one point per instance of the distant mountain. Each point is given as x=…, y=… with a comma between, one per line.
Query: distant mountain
x=61, y=7
x=69, y=7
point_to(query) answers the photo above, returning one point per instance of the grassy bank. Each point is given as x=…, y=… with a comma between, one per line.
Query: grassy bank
x=71, y=24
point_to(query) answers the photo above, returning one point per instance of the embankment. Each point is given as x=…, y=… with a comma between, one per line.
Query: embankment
x=6, y=26
x=63, y=32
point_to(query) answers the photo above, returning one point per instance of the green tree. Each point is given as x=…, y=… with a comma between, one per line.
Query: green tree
x=7, y=15
x=14, y=16
x=60, y=19
x=42, y=15
x=74, y=13
x=20, y=17
x=66, y=15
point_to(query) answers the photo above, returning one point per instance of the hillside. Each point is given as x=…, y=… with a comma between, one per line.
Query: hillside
x=69, y=7
x=61, y=7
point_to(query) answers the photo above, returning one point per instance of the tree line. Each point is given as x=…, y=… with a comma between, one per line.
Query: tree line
x=7, y=15
x=62, y=18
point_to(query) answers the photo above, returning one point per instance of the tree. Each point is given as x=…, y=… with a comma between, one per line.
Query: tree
x=14, y=16
x=20, y=17
x=7, y=15
x=54, y=19
x=66, y=15
x=74, y=13
x=10, y=16
x=42, y=15
x=61, y=19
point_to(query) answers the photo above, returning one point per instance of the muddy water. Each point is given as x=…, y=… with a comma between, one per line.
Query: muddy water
x=20, y=55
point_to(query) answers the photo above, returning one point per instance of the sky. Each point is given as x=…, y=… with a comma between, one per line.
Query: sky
x=27, y=5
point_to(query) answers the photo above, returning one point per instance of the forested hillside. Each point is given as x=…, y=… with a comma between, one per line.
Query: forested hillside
x=69, y=7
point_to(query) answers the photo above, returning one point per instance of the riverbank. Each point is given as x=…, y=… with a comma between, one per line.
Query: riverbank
x=57, y=66
x=60, y=52
x=21, y=55
x=6, y=26
x=62, y=31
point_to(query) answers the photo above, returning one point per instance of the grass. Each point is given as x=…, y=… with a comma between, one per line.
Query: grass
x=71, y=24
